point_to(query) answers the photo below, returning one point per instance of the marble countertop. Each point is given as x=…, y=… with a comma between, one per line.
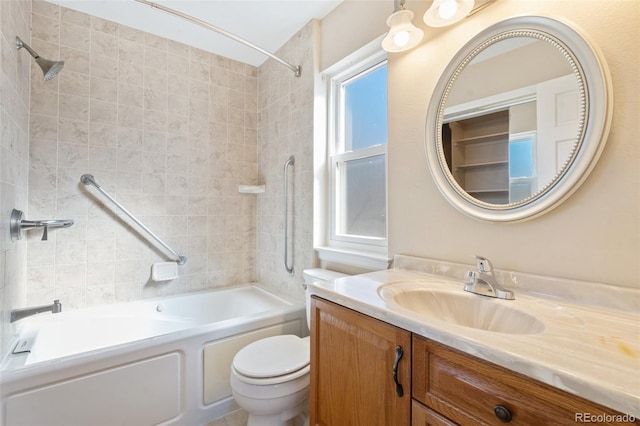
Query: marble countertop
x=587, y=350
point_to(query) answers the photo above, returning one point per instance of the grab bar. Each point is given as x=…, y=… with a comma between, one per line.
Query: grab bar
x=88, y=179
x=290, y=161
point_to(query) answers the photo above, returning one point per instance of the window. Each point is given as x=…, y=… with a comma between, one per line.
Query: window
x=522, y=166
x=358, y=156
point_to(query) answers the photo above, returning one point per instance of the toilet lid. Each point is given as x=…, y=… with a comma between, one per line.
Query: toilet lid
x=272, y=357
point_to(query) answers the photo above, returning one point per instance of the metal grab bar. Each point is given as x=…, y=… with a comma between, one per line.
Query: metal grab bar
x=88, y=179
x=290, y=161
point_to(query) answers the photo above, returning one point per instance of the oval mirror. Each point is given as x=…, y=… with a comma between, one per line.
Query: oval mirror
x=518, y=119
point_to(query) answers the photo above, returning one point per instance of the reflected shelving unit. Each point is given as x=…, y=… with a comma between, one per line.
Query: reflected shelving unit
x=479, y=156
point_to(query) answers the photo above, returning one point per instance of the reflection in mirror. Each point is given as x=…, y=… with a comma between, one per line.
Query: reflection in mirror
x=512, y=120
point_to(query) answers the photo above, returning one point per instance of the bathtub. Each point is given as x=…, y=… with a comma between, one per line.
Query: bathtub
x=161, y=361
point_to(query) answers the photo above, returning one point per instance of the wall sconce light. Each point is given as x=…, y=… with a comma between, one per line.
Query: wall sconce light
x=402, y=35
x=447, y=12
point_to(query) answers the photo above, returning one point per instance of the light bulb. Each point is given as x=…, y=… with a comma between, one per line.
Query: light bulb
x=447, y=9
x=401, y=38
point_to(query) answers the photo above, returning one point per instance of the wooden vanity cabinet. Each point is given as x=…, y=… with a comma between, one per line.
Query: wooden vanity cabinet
x=451, y=387
x=352, y=384
x=352, y=363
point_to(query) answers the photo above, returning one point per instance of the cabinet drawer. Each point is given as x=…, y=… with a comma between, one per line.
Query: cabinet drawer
x=467, y=390
x=424, y=416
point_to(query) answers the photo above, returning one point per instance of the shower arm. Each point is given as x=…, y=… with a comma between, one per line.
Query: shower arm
x=22, y=45
x=88, y=179
x=295, y=68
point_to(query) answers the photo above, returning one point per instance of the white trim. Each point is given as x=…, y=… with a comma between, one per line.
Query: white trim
x=335, y=142
x=363, y=252
x=358, y=258
x=489, y=104
x=368, y=50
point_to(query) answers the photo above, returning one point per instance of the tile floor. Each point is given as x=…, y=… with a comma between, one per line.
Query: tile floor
x=239, y=418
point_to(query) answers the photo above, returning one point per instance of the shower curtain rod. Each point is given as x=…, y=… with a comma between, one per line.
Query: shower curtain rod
x=295, y=68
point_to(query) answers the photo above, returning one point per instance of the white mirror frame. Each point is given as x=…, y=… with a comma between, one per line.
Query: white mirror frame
x=593, y=75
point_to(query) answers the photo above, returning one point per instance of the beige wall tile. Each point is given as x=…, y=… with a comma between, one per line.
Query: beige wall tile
x=104, y=44
x=46, y=28
x=73, y=107
x=74, y=83
x=104, y=66
x=103, y=89
x=74, y=36
x=148, y=118
x=74, y=17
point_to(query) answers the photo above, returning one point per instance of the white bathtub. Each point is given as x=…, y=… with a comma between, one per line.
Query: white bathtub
x=161, y=361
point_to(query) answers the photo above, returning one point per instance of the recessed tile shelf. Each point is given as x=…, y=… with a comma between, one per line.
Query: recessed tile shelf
x=251, y=189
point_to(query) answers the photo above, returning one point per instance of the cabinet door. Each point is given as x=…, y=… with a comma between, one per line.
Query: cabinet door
x=352, y=364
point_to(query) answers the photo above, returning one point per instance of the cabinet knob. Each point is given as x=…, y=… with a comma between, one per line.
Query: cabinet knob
x=502, y=413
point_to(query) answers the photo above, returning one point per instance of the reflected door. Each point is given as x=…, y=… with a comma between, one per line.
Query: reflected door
x=558, y=113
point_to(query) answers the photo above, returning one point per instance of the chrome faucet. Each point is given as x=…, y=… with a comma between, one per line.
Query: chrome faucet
x=483, y=281
x=20, y=313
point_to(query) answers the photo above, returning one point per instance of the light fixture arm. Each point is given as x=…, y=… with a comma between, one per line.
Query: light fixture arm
x=295, y=68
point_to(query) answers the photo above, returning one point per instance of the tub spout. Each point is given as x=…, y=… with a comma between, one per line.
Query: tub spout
x=54, y=308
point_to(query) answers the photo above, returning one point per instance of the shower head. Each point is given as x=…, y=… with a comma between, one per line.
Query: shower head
x=49, y=68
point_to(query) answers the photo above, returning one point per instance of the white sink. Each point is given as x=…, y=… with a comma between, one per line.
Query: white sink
x=459, y=307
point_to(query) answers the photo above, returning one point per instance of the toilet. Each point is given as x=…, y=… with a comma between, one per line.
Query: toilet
x=270, y=377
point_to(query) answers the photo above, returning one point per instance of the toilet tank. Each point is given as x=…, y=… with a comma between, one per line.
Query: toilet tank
x=317, y=274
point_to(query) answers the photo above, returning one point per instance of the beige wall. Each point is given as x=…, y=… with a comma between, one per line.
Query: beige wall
x=595, y=234
x=285, y=128
x=350, y=26
x=15, y=19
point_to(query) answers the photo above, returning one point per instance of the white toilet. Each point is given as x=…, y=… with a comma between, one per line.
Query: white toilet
x=270, y=377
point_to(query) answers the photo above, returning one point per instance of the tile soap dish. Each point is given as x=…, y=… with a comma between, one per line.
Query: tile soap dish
x=251, y=189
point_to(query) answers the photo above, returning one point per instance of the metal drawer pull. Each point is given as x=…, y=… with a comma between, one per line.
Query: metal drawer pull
x=399, y=353
x=502, y=413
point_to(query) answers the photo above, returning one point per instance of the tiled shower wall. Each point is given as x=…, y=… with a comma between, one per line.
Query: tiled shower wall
x=285, y=128
x=15, y=17
x=169, y=129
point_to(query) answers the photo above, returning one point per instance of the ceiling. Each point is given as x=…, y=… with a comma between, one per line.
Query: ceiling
x=265, y=23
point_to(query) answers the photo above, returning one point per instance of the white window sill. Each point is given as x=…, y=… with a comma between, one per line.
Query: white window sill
x=358, y=258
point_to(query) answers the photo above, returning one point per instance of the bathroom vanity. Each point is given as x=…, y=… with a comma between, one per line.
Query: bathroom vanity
x=376, y=359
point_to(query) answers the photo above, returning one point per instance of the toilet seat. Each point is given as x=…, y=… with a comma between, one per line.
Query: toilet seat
x=273, y=360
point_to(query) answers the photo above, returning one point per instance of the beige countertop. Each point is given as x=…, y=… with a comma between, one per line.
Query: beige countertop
x=587, y=350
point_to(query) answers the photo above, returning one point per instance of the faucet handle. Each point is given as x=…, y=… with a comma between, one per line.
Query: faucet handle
x=484, y=265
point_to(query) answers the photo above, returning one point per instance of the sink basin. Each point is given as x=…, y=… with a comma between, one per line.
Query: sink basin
x=461, y=308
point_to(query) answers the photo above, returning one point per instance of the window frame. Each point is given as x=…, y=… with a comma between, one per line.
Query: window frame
x=336, y=155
